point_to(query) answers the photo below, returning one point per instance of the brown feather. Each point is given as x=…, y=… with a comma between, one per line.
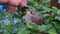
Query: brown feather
x=32, y=17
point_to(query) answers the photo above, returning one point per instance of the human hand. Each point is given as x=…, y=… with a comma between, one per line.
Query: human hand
x=14, y=2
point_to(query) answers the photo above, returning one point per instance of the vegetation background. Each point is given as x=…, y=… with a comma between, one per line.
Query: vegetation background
x=14, y=24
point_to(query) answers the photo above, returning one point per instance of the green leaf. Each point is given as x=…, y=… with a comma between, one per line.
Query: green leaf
x=49, y=26
x=42, y=28
x=56, y=25
x=59, y=18
x=55, y=8
x=56, y=17
x=50, y=18
x=45, y=15
x=52, y=31
x=23, y=31
x=10, y=28
x=32, y=26
x=46, y=8
x=58, y=12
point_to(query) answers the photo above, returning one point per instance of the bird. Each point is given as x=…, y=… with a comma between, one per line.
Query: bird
x=32, y=17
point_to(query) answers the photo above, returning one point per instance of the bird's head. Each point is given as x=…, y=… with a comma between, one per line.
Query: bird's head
x=33, y=12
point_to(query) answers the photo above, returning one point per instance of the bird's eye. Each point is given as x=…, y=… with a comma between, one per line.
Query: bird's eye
x=31, y=12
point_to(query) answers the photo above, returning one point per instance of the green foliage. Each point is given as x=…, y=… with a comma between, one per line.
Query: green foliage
x=11, y=23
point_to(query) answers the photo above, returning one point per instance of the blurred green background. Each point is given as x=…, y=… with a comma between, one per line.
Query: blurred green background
x=14, y=24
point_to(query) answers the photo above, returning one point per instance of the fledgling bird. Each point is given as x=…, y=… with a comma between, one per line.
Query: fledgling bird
x=32, y=17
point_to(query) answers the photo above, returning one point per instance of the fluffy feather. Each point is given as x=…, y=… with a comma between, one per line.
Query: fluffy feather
x=32, y=17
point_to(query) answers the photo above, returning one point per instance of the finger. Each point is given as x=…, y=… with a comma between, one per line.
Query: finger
x=11, y=8
x=3, y=1
x=14, y=2
x=23, y=3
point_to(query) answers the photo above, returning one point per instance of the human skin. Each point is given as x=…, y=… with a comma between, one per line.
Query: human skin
x=3, y=1
x=12, y=4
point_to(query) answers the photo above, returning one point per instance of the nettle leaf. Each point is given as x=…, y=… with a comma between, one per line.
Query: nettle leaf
x=53, y=14
x=56, y=17
x=58, y=31
x=56, y=25
x=52, y=31
x=10, y=28
x=22, y=25
x=58, y=12
x=46, y=8
x=39, y=0
x=6, y=22
x=23, y=31
x=55, y=8
x=50, y=18
x=5, y=31
x=59, y=18
x=43, y=11
x=32, y=26
x=49, y=26
x=46, y=15
x=42, y=28
x=46, y=20
x=36, y=5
